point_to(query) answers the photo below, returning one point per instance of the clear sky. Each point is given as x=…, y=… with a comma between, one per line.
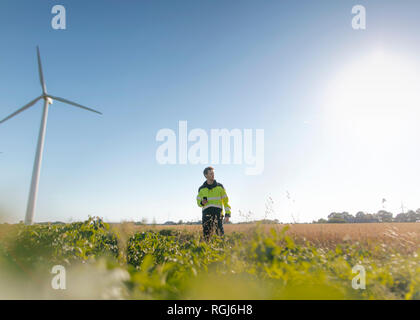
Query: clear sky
x=339, y=107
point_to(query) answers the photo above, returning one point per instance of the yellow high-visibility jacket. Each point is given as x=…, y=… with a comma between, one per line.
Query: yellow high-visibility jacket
x=216, y=197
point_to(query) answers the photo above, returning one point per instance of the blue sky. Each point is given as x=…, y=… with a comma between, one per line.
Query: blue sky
x=216, y=64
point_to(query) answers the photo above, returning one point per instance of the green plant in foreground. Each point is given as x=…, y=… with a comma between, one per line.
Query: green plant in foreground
x=173, y=264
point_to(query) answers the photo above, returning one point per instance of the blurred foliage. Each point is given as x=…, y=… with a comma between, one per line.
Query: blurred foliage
x=171, y=264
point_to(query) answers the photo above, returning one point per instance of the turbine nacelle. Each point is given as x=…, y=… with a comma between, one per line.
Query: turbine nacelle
x=48, y=99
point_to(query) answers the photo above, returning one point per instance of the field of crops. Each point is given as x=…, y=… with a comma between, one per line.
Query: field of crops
x=252, y=261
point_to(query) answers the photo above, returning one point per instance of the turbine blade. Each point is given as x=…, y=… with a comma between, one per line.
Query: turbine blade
x=41, y=75
x=73, y=103
x=30, y=104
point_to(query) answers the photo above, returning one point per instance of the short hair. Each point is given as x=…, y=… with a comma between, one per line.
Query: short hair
x=206, y=170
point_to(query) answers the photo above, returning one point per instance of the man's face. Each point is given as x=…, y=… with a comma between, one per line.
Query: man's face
x=210, y=175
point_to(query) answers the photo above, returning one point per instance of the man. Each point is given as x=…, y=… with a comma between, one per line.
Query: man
x=211, y=198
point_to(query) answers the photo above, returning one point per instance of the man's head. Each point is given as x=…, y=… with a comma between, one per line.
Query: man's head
x=209, y=173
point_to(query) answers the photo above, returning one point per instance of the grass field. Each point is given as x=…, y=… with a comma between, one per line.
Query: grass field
x=401, y=236
x=253, y=261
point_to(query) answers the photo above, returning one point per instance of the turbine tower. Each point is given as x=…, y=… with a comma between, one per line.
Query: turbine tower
x=48, y=99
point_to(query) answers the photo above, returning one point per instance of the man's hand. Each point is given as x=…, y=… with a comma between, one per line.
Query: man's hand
x=226, y=219
x=204, y=202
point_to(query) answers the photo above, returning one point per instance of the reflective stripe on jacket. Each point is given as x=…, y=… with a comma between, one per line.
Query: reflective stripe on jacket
x=216, y=197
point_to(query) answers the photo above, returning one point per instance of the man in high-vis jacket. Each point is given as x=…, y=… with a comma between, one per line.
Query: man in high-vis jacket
x=212, y=198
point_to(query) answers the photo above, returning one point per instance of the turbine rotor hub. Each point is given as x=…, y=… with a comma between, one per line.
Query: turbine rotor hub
x=48, y=99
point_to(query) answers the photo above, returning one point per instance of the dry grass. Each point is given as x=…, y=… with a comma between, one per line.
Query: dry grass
x=403, y=237
x=400, y=236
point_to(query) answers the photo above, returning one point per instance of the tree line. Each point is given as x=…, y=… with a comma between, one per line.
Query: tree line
x=363, y=217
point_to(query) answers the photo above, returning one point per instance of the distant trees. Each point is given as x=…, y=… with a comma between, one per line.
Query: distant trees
x=410, y=216
x=180, y=222
x=263, y=221
x=336, y=217
x=169, y=223
x=384, y=216
x=363, y=217
x=343, y=217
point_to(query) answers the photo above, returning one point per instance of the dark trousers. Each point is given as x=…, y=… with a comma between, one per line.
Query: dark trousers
x=212, y=222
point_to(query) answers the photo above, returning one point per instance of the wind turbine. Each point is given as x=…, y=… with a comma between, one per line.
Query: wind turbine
x=48, y=99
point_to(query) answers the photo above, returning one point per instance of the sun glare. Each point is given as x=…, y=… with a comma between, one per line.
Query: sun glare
x=374, y=99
